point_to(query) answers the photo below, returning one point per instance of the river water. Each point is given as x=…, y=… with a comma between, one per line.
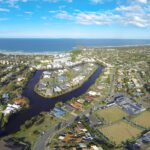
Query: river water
x=40, y=104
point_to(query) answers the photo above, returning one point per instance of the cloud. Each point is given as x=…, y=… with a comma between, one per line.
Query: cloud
x=94, y=18
x=12, y=3
x=64, y=15
x=55, y=1
x=142, y=1
x=134, y=15
x=4, y=10
x=28, y=12
x=129, y=8
x=52, y=11
x=126, y=15
x=87, y=18
x=96, y=1
x=137, y=19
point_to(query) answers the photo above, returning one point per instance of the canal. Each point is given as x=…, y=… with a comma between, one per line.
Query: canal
x=40, y=104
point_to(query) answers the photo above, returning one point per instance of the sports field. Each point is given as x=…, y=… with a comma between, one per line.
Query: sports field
x=120, y=131
x=143, y=119
x=111, y=114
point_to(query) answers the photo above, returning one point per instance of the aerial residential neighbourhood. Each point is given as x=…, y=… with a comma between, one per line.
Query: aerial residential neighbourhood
x=74, y=74
x=90, y=98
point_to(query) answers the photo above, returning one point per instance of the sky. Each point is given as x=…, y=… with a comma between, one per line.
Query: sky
x=117, y=19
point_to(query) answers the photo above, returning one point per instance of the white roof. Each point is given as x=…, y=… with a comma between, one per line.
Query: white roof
x=61, y=137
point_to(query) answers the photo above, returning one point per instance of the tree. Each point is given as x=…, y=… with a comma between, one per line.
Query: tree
x=59, y=104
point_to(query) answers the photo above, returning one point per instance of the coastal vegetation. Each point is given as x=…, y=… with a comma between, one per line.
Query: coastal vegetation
x=117, y=101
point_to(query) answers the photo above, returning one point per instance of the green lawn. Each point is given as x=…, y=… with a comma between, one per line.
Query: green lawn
x=111, y=114
x=32, y=133
x=120, y=132
x=143, y=119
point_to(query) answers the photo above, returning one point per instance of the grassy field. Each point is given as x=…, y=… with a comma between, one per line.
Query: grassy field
x=111, y=114
x=143, y=119
x=33, y=132
x=120, y=132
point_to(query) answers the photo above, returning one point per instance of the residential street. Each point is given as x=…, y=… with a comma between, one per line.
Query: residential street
x=40, y=144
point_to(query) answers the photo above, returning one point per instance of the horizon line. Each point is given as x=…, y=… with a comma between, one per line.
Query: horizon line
x=75, y=38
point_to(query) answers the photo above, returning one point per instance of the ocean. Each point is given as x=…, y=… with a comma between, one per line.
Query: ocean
x=60, y=45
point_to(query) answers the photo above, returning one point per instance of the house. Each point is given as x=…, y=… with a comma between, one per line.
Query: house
x=93, y=93
x=57, y=112
x=81, y=101
x=20, y=79
x=48, y=92
x=5, y=96
x=82, y=145
x=94, y=147
x=42, y=86
x=46, y=76
x=89, y=98
x=80, y=128
x=57, y=89
x=46, y=73
x=11, y=109
x=21, y=102
x=67, y=108
x=76, y=80
x=77, y=105
x=61, y=138
x=68, y=137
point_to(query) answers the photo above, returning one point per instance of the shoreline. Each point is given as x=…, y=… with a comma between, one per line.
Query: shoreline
x=32, y=53
x=20, y=52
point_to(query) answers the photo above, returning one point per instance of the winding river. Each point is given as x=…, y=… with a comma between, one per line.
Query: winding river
x=39, y=104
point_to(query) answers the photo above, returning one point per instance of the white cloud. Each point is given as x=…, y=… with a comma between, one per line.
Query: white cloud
x=87, y=18
x=52, y=11
x=129, y=8
x=136, y=19
x=134, y=15
x=55, y=1
x=142, y=1
x=135, y=12
x=4, y=10
x=13, y=3
x=28, y=12
x=96, y=1
x=94, y=18
x=126, y=15
x=64, y=15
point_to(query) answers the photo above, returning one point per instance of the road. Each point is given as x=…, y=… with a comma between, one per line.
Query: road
x=112, y=83
x=40, y=144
